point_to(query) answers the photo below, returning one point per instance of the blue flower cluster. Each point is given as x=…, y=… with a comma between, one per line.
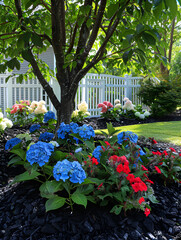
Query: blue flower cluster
x=65, y=169
x=46, y=136
x=48, y=116
x=66, y=129
x=11, y=143
x=85, y=132
x=127, y=136
x=97, y=153
x=40, y=153
x=34, y=127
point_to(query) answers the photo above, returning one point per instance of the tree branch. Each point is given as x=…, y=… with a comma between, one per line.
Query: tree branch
x=46, y=6
x=171, y=40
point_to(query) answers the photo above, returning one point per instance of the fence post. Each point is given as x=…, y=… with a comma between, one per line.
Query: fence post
x=102, y=89
x=128, y=87
x=9, y=93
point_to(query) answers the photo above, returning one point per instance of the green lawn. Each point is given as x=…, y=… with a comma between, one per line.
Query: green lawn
x=161, y=131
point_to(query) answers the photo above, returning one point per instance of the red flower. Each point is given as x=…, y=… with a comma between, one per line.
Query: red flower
x=119, y=168
x=123, y=159
x=99, y=186
x=126, y=169
x=130, y=178
x=108, y=144
x=139, y=186
x=165, y=153
x=180, y=154
x=147, y=212
x=157, y=169
x=143, y=168
x=148, y=180
x=160, y=163
x=154, y=141
x=156, y=153
x=102, y=148
x=94, y=161
x=141, y=200
x=172, y=149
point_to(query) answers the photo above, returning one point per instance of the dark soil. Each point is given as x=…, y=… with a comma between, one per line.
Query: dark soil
x=23, y=216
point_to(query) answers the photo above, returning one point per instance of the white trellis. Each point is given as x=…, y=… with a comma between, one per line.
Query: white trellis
x=93, y=89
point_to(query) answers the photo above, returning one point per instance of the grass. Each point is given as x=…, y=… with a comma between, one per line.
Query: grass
x=161, y=131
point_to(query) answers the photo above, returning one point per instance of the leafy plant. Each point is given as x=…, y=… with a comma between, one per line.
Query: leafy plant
x=162, y=98
x=81, y=113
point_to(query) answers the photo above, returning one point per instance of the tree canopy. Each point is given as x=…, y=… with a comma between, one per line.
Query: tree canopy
x=82, y=34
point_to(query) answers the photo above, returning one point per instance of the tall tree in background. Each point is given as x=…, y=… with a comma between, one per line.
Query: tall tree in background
x=81, y=33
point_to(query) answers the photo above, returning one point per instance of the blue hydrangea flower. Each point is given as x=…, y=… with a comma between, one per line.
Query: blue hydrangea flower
x=97, y=153
x=34, y=127
x=46, y=136
x=40, y=153
x=11, y=143
x=49, y=115
x=61, y=170
x=127, y=136
x=74, y=127
x=86, y=132
x=63, y=130
x=77, y=174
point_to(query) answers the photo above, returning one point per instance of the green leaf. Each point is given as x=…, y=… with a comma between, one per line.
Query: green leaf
x=13, y=63
x=37, y=40
x=149, y=39
x=118, y=196
x=157, y=2
x=25, y=176
x=116, y=209
x=153, y=199
x=91, y=199
x=172, y=4
x=58, y=155
x=90, y=145
x=20, y=152
x=48, y=188
x=54, y=203
x=127, y=56
x=139, y=28
x=104, y=196
x=20, y=43
x=16, y=161
x=26, y=56
x=112, y=9
x=79, y=198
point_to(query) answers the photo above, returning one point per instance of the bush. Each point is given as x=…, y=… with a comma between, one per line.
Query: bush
x=162, y=97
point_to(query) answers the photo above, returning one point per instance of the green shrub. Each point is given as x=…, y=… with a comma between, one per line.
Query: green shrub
x=162, y=97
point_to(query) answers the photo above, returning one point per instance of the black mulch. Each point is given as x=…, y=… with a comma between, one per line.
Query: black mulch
x=23, y=216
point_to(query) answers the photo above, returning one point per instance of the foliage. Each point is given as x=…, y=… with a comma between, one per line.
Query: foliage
x=24, y=112
x=120, y=33
x=109, y=173
x=81, y=113
x=4, y=123
x=162, y=98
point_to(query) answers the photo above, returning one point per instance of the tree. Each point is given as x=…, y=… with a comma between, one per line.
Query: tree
x=81, y=33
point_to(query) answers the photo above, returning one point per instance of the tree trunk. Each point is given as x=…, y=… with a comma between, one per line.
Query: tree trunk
x=164, y=71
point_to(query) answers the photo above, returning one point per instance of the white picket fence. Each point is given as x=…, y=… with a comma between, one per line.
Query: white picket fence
x=93, y=89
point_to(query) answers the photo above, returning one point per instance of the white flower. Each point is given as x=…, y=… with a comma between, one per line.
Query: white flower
x=147, y=114
x=75, y=113
x=54, y=143
x=118, y=105
x=116, y=101
x=83, y=107
x=1, y=115
x=40, y=103
x=126, y=99
x=137, y=114
x=2, y=126
x=128, y=105
x=142, y=116
x=8, y=122
x=30, y=109
x=34, y=104
x=40, y=109
x=87, y=113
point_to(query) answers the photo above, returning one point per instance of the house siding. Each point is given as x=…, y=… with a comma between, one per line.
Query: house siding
x=47, y=57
